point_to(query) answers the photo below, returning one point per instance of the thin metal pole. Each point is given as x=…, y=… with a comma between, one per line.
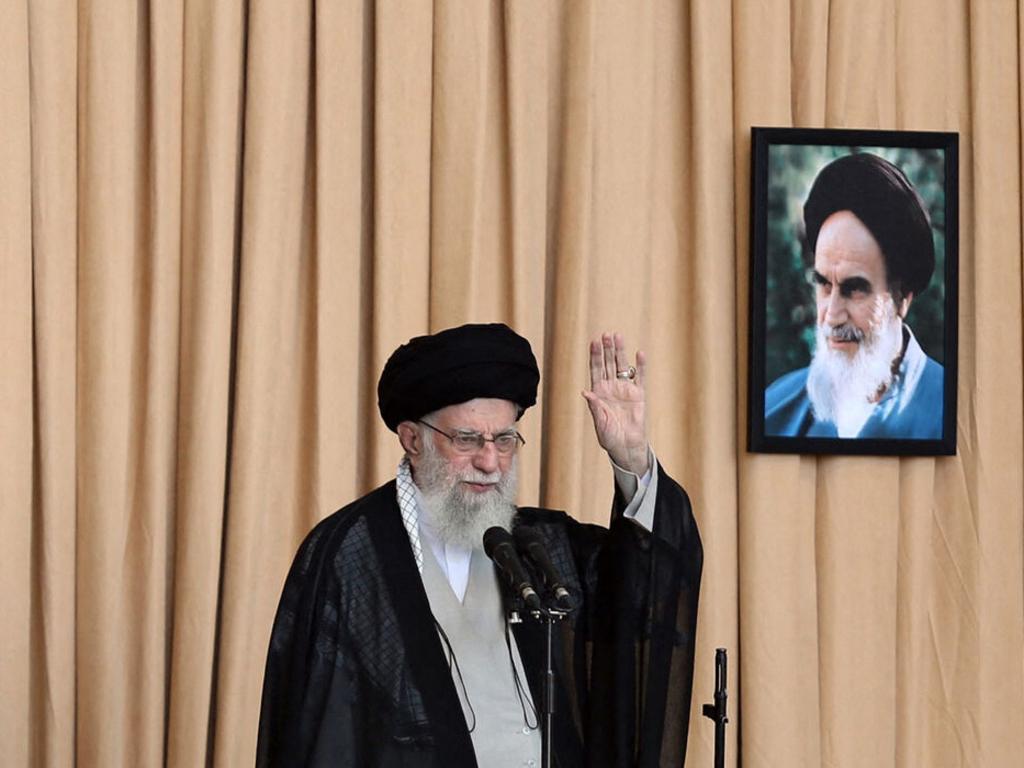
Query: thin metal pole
x=718, y=711
x=548, y=698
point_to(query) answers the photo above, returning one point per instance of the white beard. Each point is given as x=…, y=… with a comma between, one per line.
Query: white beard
x=843, y=389
x=459, y=516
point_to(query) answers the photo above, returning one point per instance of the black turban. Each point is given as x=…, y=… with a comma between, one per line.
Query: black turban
x=880, y=195
x=456, y=365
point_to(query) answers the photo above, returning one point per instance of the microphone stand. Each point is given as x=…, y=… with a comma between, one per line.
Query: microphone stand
x=717, y=711
x=499, y=546
x=548, y=617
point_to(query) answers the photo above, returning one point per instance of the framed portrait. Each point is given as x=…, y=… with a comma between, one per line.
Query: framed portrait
x=853, y=292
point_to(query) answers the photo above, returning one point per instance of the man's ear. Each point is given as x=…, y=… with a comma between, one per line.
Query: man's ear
x=904, y=306
x=409, y=437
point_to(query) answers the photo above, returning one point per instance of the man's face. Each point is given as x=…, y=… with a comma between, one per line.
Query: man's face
x=489, y=417
x=851, y=290
x=465, y=493
x=860, y=331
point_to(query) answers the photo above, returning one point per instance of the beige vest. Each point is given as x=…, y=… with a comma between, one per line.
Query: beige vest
x=476, y=631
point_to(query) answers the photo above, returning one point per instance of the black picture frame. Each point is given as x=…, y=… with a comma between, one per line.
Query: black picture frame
x=789, y=355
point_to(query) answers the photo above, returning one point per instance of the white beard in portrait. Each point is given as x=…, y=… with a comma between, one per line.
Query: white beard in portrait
x=844, y=389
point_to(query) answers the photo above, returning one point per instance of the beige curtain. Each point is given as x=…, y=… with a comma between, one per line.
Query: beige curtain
x=217, y=219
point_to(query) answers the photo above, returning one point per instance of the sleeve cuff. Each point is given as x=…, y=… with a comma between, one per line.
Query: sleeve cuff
x=640, y=492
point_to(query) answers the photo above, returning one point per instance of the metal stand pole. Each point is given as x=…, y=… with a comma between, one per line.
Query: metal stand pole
x=717, y=711
x=548, y=617
x=548, y=698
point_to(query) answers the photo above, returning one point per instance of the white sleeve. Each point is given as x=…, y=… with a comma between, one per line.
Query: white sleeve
x=640, y=491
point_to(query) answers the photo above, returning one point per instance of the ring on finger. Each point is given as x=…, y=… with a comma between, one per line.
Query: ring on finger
x=628, y=374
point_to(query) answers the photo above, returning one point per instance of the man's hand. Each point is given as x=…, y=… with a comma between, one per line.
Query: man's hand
x=617, y=402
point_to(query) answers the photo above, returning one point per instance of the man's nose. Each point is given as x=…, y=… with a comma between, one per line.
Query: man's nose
x=835, y=310
x=486, y=458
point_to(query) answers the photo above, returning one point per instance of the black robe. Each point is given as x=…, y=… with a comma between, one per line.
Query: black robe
x=357, y=675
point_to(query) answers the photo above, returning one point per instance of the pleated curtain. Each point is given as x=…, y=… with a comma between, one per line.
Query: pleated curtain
x=218, y=218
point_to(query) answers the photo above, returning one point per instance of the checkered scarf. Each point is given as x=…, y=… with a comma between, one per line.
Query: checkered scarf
x=410, y=513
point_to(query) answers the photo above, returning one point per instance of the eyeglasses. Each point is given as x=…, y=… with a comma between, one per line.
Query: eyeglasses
x=471, y=442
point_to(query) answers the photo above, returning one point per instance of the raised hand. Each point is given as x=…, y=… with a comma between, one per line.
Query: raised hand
x=616, y=401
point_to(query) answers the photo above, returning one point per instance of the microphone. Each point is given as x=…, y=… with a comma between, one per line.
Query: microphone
x=532, y=545
x=499, y=547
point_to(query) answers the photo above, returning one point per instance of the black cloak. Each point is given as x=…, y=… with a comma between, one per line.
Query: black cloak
x=357, y=675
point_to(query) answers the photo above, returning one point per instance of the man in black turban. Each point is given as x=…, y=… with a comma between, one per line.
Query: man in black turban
x=871, y=243
x=392, y=645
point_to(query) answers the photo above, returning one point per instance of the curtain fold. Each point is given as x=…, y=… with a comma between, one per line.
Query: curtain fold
x=218, y=219
x=17, y=388
x=211, y=150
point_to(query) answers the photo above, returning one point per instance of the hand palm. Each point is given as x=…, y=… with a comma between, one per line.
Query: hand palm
x=616, y=401
x=618, y=413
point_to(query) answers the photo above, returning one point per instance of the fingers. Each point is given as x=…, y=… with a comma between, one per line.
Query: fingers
x=608, y=357
x=608, y=348
x=596, y=363
x=621, y=360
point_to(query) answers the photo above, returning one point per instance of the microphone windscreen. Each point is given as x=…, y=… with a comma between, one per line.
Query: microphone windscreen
x=494, y=537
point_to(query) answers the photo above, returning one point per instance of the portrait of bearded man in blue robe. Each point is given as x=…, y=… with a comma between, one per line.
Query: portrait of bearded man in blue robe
x=871, y=243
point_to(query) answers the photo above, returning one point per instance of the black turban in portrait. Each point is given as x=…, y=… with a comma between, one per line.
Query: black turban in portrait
x=880, y=195
x=456, y=365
